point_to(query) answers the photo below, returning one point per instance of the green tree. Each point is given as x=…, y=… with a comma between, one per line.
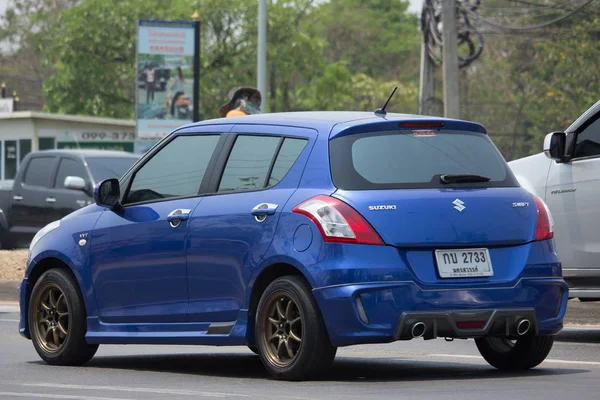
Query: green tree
x=94, y=68
x=23, y=33
x=377, y=37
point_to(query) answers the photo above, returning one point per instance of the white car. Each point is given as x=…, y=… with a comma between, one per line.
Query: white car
x=567, y=176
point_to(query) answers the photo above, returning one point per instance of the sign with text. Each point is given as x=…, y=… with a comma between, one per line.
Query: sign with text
x=95, y=135
x=6, y=107
x=165, y=51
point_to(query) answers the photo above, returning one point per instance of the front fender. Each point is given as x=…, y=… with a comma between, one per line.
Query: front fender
x=63, y=244
x=3, y=226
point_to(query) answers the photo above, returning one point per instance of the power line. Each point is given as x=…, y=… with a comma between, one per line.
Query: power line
x=530, y=27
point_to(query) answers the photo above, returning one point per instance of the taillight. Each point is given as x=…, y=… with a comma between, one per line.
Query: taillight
x=337, y=221
x=544, y=229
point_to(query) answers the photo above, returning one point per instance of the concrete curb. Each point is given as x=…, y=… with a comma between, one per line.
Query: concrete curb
x=9, y=290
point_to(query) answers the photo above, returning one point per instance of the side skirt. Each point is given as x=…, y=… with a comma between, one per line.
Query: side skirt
x=193, y=333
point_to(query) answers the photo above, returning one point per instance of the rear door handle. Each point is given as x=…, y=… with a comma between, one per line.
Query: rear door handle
x=50, y=200
x=18, y=198
x=177, y=216
x=263, y=210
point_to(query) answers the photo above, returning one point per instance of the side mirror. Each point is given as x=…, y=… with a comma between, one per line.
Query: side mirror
x=554, y=145
x=75, y=183
x=107, y=193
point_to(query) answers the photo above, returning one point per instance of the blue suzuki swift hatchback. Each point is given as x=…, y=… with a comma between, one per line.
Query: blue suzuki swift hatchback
x=297, y=233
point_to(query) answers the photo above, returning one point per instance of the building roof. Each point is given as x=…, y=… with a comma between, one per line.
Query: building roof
x=68, y=118
x=88, y=153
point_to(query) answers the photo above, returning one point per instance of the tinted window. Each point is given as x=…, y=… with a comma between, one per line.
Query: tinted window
x=46, y=143
x=10, y=159
x=66, y=168
x=403, y=159
x=24, y=148
x=107, y=168
x=249, y=163
x=288, y=154
x=39, y=171
x=588, y=141
x=176, y=170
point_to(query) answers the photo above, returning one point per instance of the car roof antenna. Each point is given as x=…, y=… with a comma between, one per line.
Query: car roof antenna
x=381, y=111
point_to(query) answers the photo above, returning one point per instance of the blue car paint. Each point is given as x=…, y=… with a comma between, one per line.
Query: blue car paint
x=226, y=243
x=219, y=276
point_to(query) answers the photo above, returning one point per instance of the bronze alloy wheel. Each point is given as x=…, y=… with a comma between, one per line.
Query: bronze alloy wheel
x=51, y=318
x=281, y=329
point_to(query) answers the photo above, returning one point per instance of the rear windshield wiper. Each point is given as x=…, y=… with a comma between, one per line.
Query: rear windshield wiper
x=458, y=178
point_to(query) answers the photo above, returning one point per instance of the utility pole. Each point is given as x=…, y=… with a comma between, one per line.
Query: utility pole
x=196, y=96
x=426, y=85
x=450, y=60
x=261, y=73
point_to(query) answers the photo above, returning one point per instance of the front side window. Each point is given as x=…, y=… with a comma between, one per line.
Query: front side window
x=68, y=167
x=38, y=171
x=106, y=168
x=415, y=159
x=588, y=141
x=176, y=170
x=248, y=163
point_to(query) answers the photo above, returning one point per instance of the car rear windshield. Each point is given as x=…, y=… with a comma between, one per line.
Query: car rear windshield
x=107, y=168
x=416, y=159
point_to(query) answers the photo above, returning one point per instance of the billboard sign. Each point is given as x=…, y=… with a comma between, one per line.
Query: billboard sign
x=165, y=78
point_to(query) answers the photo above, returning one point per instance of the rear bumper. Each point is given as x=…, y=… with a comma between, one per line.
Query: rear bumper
x=384, y=312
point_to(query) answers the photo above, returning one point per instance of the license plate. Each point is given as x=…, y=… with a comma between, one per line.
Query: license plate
x=466, y=263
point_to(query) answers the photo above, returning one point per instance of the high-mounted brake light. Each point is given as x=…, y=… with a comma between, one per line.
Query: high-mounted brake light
x=420, y=125
x=337, y=221
x=544, y=229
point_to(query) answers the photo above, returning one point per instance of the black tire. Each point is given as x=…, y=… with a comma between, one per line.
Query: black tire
x=74, y=350
x=315, y=353
x=525, y=353
x=253, y=349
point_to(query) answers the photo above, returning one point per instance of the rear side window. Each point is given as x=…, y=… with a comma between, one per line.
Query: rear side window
x=410, y=159
x=287, y=156
x=249, y=163
x=38, y=171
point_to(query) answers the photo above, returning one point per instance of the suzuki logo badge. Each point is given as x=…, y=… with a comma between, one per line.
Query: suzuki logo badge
x=459, y=205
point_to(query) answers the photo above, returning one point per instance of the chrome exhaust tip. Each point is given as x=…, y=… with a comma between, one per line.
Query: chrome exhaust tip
x=417, y=329
x=523, y=327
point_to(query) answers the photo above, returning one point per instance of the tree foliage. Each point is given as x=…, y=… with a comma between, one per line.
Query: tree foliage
x=322, y=55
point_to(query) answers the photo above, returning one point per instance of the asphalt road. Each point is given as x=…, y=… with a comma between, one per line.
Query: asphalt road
x=403, y=370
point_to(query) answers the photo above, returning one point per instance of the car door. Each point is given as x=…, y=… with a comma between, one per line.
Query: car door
x=227, y=238
x=138, y=252
x=28, y=209
x=61, y=200
x=572, y=194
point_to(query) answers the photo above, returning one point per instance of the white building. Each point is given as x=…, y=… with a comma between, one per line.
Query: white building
x=25, y=131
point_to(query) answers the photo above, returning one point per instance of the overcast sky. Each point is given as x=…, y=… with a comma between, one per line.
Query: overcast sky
x=415, y=5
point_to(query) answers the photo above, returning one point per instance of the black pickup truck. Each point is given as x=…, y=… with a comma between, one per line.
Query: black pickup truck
x=51, y=184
